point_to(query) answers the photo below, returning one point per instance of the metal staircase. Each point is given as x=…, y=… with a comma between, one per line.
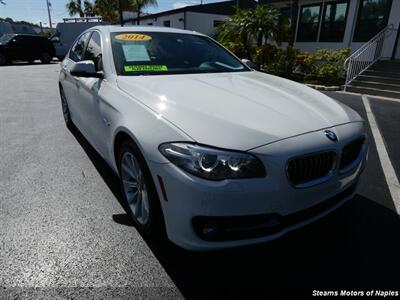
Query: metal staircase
x=382, y=79
x=368, y=73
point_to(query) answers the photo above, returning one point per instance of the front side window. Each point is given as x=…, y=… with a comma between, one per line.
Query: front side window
x=309, y=23
x=373, y=16
x=334, y=22
x=156, y=53
x=76, y=53
x=93, y=50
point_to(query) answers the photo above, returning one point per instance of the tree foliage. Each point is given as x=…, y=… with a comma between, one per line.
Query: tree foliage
x=78, y=7
x=108, y=9
x=139, y=5
x=247, y=27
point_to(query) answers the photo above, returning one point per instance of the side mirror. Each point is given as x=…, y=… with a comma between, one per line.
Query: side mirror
x=248, y=63
x=85, y=68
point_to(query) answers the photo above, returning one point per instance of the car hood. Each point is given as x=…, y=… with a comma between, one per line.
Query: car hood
x=240, y=110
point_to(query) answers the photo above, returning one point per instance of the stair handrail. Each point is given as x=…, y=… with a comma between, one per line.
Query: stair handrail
x=371, y=51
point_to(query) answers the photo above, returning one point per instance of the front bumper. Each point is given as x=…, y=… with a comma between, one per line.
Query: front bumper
x=205, y=215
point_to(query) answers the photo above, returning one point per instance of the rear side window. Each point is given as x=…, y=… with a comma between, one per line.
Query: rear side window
x=93, y=50
x=77, y=50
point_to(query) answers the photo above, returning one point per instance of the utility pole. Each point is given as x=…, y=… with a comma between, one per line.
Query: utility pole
x=48, y=11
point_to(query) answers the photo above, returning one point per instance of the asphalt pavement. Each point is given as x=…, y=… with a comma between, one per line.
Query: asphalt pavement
x=57, y=232
x=64, y=233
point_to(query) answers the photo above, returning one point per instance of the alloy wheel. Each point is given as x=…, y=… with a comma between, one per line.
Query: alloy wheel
x=135, y=189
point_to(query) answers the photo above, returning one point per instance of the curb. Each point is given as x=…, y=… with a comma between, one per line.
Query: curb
x=324, y=88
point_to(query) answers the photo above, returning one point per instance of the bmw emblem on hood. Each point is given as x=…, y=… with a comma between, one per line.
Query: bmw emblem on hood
x=331, y=135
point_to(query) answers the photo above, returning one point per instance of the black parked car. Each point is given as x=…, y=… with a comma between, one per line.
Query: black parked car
x=25, y=47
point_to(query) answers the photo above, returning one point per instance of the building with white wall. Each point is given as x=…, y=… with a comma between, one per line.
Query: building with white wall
x=331, y=24
x=202, y=18
x=335, y=24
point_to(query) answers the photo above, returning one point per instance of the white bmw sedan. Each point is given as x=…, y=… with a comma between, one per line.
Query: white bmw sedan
x=208, y=150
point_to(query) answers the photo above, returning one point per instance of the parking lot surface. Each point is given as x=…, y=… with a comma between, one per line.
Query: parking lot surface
x=64, y=233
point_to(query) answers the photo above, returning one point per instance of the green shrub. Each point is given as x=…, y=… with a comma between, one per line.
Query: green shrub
x=325, y=66
x=274, y=60
x=264, y=55
x=239, y=50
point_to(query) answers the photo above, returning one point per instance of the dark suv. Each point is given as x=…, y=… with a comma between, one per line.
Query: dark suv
x=25, y=47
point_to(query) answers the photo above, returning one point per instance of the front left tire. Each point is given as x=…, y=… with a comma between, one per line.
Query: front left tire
x=139, y=192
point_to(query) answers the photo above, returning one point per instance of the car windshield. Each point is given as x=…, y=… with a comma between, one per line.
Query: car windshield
x=6, y=37
x=155, y=53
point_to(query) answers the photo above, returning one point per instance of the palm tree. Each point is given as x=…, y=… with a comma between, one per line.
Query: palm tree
x=139, y=5
x=264, y=23
x=107, y=9
x=246, y=26
x=75, y=7
x=88, y=9
x=236, y=30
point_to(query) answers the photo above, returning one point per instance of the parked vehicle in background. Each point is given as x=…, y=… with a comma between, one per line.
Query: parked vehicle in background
x=16, y=28
x=25, y=47
x=69, y=30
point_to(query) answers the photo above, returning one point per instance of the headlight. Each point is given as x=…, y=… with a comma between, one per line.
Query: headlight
x=211, y=163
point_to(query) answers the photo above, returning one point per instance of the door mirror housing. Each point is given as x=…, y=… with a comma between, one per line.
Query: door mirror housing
x=248, y=63
x=85, y=68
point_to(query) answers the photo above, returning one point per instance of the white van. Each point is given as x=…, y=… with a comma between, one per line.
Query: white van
x=69, y=30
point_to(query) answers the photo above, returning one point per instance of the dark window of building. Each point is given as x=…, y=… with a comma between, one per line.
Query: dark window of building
x=218, y=22
x=309, y=23
x=167, y=23
x=373, y=16
x=334, y=21
x=150, y=24
x=286, y=13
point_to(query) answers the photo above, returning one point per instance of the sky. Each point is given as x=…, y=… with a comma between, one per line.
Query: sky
x=35, y=10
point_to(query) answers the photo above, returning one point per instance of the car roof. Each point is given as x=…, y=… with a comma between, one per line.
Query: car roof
x=141, y=28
